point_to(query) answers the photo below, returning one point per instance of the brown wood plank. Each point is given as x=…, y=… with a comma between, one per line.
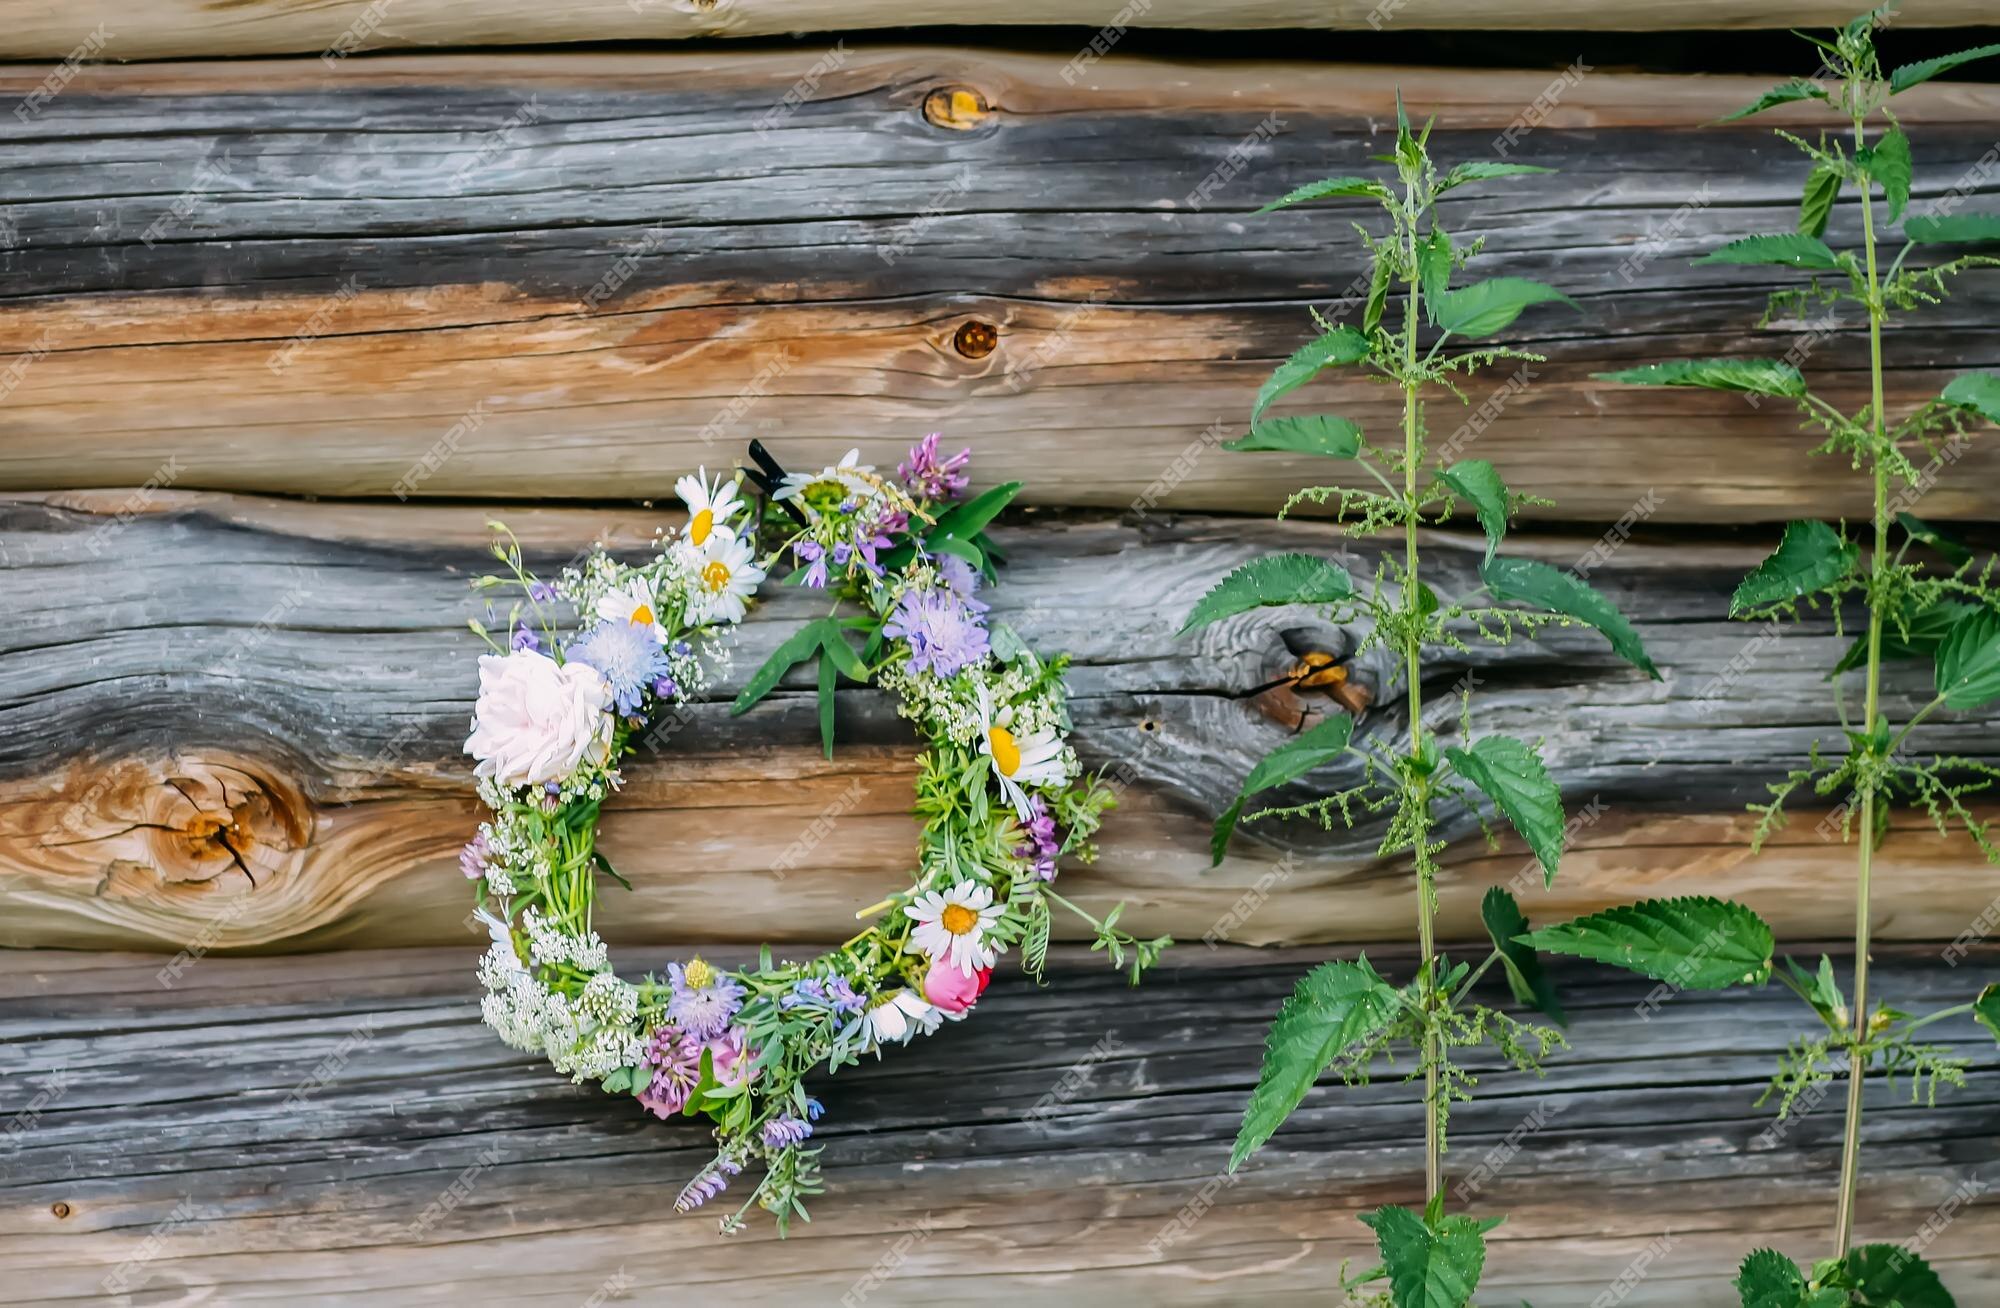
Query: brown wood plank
x=496, y=276
x=175, y=1100
x=178, y=662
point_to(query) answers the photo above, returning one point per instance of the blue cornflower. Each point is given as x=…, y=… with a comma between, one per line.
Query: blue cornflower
x=627, y=656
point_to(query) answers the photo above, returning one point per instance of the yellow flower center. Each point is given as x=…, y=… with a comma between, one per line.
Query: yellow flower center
x=643, y=616
x=715, y=576
x=1006, y=754
x=958, y=919
x=698, y=975
x=704, y=523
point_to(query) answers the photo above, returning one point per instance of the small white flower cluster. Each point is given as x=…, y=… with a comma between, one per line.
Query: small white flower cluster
x=549, y=946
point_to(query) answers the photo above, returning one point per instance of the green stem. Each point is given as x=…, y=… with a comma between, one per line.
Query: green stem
x=1955, y=1010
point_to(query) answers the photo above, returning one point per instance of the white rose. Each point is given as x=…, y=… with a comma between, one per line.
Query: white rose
x=537, y=719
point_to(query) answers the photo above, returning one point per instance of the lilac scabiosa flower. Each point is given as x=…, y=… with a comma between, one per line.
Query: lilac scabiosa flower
x=1041, y=845
x=930, y=477
x=627, y=655
x=712, y=1181
x=476, y=857
x=704, y=999
x=784, y=1130
x=943, y=634
x=962, y=579
x=676, y=1063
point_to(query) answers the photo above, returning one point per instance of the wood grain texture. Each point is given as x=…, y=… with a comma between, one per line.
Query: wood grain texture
x=1037, y=1152
x=157, y=29
x=229, y=722
x=501, y=276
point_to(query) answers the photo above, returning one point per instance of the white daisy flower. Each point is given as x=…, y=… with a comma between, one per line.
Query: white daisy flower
x=952, y=925
x=635, y=603
x=724, y=581
x=1034, y=759
x=891, y=1018
x=825, y=490
x=710, y=507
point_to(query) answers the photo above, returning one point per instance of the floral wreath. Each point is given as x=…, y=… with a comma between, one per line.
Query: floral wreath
x=1000, y=795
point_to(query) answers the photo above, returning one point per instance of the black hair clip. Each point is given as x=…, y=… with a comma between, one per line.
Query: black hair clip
x=769, y=475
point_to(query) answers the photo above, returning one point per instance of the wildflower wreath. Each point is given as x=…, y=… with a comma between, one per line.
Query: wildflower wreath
x=1000, y=796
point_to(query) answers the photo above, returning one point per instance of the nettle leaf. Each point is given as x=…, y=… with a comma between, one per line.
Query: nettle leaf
x=1327, y=189
x=1322, y=433
x=1750, y=376
x=1434, y=268
x=1431, y=1261
x=1341, y=345
x=1777, y=95
x=1791, y=249
x=1484, y=308
x=1696, y=943
x=1986, y=1009
x=1275, y=579
x=1480, y=171
x=1768, y=1279
x=1928, y=627
x=1975, y=392
x=1290, y=761
x=1504, y=924
x=1332, y=1007
x=1820, y=990
x=1822, y=189
x=1378, y=295
x=1953, y=229
x=1556, y=591
x=1479, y=485
x=1510, y=773
x=1923, y=533
x=1890, y=1276
x=1909, y=75
x=1810, y=557
x=1888, y=162
x=1968, y=661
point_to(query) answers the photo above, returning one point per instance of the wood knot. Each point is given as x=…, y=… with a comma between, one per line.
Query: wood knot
x=60, y=1209
x=975, y=339
x=956, y=108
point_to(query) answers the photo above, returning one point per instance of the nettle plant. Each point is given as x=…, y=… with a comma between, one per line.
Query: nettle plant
x=1923, y=595
x=1345, y=1016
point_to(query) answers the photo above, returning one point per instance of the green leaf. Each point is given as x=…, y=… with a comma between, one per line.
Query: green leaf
x=1556, y=591
x=1484, y=308
x=1476, y=482
x=827, y=672
x=800, y=646
x=618, y=1080
x=1820, y=990
x=1290, y=761
x=1986, y=1009
x=1975, y=392
x=1923, y=533
x=965, y=521
x=1510, y=773
x=1341, y=345
x=1909, y=75
x=1890, y=1276
x=1810, y=557
x=1434, y=268
x=1953, y=229
x=1504, y=922
x=1822, y=189
x=1968, y=662
x=1275, y=579
x=1327, y=189
x=1225, y=827
x=1768, y=1279
x=1750, y=376
x=1332, y=1007
x=843, y=655
x=1432, y=1263
x=1888, y=162
x=1696, y=943
x=1791, y=249
x=1480, y=170
x=1785, y=93
x=1378, y=295
x=1321, y=433
x=1928, y=627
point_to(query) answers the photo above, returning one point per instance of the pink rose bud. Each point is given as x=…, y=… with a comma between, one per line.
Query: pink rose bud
x=952, y=990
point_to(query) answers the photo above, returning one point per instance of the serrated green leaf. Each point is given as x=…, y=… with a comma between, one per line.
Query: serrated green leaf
x=1810, y=557
x=1919, y=530
x=1928, y=627
x=1890, y=1276
x=1909, y=75
x=1275, y=579
x=1789, y=249
x=1332, y=1007
x=1975, y=392
x=1525, y=977
x=1378, y=295
x=1324, y=434
x=1696, y=943
x=1432, y=1263
x=1328, y=188
x=1480, y=171
x=1749, y=376
x=1290, y=761
x=1556, y=591
x=1888, y=162
x=1953, y=229
x=1784, y=93
x=1768, y=1279
x=1479, y=485
x=797, y=648
x=1822, y=189
x=1820, y=990
x=1510, y=773
x=1986, y=1009
x=1968, y=661
x=1341, y=345
x=1484, y=308
x=1434, y=268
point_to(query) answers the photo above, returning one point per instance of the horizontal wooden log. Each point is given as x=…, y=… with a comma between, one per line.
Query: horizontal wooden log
x=233, y=723
x=164, y=29
x=498, y=276
x=336, y=1128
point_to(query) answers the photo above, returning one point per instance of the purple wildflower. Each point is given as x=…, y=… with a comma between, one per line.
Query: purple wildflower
x=541, y=592
x=931, y=478
x=476, y=857
x=704, y=999
x=784, y=1131
x=814, y=1109
x=676, y=1061
x=806, y=991
x=627, y=656
x=712, y=1181
x=732, y=1062
x=942, y=633
x=1041, y=845
x=841, y=995
x=666, y=688
x=962, y=579
x=525, y=638
x=814, y=555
